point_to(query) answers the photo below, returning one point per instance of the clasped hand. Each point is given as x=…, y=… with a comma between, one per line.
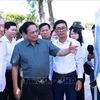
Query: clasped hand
x=90, y=56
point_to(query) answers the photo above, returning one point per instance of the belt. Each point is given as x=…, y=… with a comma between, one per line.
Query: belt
x=64, y=75
x=36, y=80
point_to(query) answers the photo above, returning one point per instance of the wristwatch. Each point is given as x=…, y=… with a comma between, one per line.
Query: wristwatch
x=80, y=79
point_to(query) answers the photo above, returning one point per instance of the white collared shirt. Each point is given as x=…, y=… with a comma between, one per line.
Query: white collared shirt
x=68, y=63
x=19, y=40
x=10, y=47
x=2, y=64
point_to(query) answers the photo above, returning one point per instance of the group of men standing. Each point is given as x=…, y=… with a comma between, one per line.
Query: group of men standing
x=48, y=68
x=7, y=43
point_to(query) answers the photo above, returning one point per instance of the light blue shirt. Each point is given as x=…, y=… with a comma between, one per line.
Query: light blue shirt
x=2, y=64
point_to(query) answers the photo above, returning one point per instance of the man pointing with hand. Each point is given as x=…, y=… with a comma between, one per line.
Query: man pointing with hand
x=66, y=72
x=31, y=57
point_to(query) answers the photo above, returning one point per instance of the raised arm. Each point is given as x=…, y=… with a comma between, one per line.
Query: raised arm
x=71, y=49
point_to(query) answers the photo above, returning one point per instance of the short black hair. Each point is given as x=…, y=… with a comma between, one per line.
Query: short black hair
x=43, y=24
x=21, y=28
x=26, y=25
x=58, y=22
x=93, y=27
x=8, y=24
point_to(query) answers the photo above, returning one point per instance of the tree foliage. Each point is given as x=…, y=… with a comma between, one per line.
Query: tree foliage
x=89, y=24
x=17, y=18
x=39, y=3
x=32, y=4
x=32, y=17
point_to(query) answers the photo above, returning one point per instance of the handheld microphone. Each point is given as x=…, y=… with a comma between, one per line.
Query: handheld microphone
x=90, y=49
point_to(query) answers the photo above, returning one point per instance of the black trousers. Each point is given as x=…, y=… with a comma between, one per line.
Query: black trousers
x=3, y=95
x=9, y=86
x=36, y=91
x=80, y=94
x=64, y=84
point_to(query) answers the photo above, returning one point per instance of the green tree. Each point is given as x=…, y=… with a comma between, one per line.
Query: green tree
x=89, y=24
x=32, y=4
x=32, y=17
x=17, y=18
x=39, y=3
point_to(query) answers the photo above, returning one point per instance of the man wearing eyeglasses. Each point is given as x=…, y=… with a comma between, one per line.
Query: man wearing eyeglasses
x=45, y=30
x=67, y=70
x=31, y=57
